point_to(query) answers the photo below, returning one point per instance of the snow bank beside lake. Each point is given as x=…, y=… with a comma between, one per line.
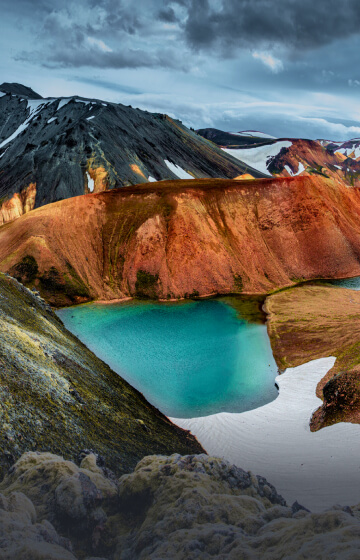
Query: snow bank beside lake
x=316, y=469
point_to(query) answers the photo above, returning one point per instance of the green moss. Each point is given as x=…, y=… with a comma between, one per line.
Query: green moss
x=146, y=284
x=238, y=283
x=69, y=284
x=41, y=363
x=26, y=270
x=318, y=170
x=194, y=294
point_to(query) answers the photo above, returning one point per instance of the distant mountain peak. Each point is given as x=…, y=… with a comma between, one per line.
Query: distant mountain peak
x=19, y=89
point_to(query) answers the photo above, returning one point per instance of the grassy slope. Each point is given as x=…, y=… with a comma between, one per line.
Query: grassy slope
x=56, y=395
x=310, y=322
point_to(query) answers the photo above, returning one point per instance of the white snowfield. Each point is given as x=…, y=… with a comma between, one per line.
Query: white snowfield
x=259, y=158
x=317, y=469
x=348, y=151
x=152, y=179
x=178, y=171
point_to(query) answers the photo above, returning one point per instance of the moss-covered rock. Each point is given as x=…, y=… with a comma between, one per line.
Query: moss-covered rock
x=56, y=395
x=180, y=507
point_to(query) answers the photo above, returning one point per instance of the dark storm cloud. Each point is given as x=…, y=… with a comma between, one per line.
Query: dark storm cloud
x=96, y=58
x=78, y=35
x=296, y=24
x=168, y=15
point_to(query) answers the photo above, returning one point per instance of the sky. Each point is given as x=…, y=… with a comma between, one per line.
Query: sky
x=285, y=67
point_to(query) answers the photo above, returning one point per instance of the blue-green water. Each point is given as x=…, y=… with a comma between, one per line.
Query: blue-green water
x=188, y=359
x=349, y=283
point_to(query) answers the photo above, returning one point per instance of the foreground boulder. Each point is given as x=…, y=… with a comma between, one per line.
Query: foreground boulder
x=179, y=507
x=56, y=395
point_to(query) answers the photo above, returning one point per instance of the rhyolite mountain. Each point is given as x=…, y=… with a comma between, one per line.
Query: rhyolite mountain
x=57, y=396
x=52, y=149
x=286, y=157
x=177, y=239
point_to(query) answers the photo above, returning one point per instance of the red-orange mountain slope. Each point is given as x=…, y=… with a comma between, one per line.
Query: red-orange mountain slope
x=180, y=238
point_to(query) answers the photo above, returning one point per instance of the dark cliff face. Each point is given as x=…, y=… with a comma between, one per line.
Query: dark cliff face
x=68, y=147
x=56, y=395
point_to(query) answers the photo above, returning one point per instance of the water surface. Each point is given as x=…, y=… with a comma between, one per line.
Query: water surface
x=189, y=359
x=349, y=283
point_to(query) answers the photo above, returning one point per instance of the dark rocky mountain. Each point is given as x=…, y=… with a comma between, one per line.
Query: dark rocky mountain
x=19, y=89
x=53, y=149
x=233, y=139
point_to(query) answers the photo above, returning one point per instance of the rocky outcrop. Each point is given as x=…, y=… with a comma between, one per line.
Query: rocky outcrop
x=311, y=322
x=178, y=239
x=18, y=204
x=55, y=395
x=181, y=507
x=56, y=143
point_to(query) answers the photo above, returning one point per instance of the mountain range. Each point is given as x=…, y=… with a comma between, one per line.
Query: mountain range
x=287, y=157
x=55, y=148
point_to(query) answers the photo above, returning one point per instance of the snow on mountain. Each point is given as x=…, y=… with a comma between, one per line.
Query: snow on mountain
x=178, y=171
x=254, y=134
x=261, y=156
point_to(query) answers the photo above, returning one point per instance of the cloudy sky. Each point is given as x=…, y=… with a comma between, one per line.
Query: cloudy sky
x=286, y=67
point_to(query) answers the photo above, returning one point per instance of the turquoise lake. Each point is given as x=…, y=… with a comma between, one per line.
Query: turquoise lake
x=188, y=359
x=349, y=283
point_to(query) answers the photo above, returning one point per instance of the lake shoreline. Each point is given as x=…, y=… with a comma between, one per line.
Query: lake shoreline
x=275, y=440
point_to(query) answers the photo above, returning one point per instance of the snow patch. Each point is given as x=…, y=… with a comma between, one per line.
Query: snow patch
x=318, y=469
x=63, y=102
x=254, y=134
x=2, y=155
x=259, y=157
x=91, y=182
x=301, y=168
x=35, y=106
x=51, y=120
x=151, y=179
x=89, y=118
x=82, y=101
x=178, y=171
